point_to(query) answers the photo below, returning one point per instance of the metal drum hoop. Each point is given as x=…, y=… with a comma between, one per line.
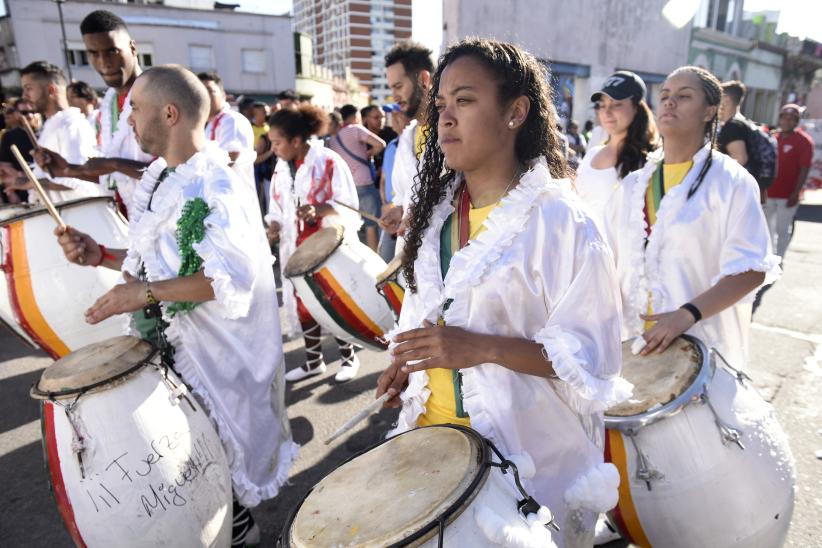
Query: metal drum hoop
x=694, y=392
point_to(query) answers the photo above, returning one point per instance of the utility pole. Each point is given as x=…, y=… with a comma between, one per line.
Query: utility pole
x=65, y=42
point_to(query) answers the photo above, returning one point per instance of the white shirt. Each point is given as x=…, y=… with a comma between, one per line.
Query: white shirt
x=228, y=350
x=720, y=231
x=405, y=167
x=68, y=134
x=117, y=140
x=233, y=133
x=311, y=185
x=595, y=186
x=537, y=272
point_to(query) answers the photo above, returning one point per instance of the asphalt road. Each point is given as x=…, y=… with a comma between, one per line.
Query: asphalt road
x=786, y=352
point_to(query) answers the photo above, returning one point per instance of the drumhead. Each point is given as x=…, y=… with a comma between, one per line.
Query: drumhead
x=34, y=211
x=314, y=251
x=93, y=366
x=391, y=270
x=658, y=379
x=393, y=492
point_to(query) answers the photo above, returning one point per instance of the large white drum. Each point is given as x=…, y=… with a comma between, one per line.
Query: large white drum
x=133, y=459
x=336, y=277
x=42, y=296
x=701, y=456
x=437, y=485
x=391, y=286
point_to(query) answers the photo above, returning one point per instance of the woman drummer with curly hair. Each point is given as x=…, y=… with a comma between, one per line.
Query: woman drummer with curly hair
x=505, y=274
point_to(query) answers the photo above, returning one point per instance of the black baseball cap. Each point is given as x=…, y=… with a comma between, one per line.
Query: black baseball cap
x=621, y=85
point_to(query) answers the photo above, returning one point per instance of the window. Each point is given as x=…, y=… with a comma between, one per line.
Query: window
x=253, y=60
x=200, y=58
x=77, y=57
x=146, y=59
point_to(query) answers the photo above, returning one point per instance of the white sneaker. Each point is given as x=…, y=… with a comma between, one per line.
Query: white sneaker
x=605, y=532
x=252, y=538
x=348, y=370
x=301, y=373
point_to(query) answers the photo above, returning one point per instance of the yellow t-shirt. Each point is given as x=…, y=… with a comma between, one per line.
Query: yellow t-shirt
x=259, y=131
x=419, y=141
x=441, y=407
x=672, y=175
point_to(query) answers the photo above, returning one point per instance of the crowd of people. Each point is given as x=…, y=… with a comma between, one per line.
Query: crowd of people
x=664, y=228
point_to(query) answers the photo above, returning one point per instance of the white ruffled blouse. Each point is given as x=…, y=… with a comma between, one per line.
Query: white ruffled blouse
x=228, y=350
x=720, y=231
x=306, y=187
x=539, y=271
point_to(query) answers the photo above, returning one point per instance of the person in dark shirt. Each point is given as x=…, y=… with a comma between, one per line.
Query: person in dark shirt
x=13, y=113
x=735, y=130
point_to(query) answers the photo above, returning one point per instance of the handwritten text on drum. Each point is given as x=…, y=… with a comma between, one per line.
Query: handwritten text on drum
x=147, y=480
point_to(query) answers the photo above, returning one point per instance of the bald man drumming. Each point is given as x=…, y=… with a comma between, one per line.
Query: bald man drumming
x=198, y=283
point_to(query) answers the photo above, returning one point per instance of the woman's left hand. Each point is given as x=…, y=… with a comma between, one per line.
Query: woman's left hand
x=668, y=327
x=437, y=346
x=122, y=298
x=307, y=213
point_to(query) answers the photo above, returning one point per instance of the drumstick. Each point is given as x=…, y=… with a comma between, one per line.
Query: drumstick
x=33, y=139
x=360, y=211
x=350, y=423
x=38, y=187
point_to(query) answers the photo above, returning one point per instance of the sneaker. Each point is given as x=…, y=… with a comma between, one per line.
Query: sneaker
x=304, y=372
x=605, y=532
x=348, y=370
x=252, y=538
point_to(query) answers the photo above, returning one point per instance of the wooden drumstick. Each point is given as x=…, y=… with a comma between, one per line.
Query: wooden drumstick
x=360, y=211
x=372, y=407
x=33, y=139
x=38, y=187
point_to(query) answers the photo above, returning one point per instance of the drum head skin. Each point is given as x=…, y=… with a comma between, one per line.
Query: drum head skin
x=314, y=251
x=391, y=492
x=28, y=210
x=92, y=366
x=658, y=378
x=392, y=269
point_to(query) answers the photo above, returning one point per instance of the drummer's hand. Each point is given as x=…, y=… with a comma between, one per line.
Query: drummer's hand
x=668, y=327
x=391, y=218
x=8, y=173
x=394, y=381
x=78, y=247
x=122, y=298
x=436, y=346
x=48, y=159
x=273, y=232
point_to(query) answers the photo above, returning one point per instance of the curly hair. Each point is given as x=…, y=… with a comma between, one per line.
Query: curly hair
x=712, y=90
x=642, y=138
x=303, y=121
x=516, y=73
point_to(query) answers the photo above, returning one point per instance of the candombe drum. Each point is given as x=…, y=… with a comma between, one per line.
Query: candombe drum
x=132, y=457
x=43, y=297
x=336, y=278
x=701, y=456
x=391, y=287
x=8, y=211
x=432, y=486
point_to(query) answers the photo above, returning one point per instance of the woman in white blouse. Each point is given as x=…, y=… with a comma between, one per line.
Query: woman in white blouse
x=626, y=117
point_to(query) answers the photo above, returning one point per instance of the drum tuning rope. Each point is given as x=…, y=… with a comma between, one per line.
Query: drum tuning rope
x=78, y=443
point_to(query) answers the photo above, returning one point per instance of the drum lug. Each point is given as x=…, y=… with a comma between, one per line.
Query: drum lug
x=78, y=442
x=644, y=472
x=728, y=433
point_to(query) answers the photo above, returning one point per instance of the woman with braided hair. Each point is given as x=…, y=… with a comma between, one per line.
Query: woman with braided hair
x=689, y=236
x=504, y=269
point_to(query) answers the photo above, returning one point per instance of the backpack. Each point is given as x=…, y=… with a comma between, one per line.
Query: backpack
x=762, y=155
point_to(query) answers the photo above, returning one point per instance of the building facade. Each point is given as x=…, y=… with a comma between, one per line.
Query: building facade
x=253, y=53
x=354, y=34
x=318, y=85
x=583, y=42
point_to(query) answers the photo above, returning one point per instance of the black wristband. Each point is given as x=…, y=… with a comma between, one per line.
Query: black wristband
x=693, y=310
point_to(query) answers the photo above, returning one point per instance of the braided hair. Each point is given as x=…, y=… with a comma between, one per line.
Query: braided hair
x=713, y=93
x=517, y=73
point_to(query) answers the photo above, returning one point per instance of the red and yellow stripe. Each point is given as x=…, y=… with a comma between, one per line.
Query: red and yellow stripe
x=56, y=474
x=394, y=295
x=341, y=307
x=21, y=293
x=624, y=514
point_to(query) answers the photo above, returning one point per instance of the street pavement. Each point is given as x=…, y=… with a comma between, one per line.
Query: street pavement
x=786, y=364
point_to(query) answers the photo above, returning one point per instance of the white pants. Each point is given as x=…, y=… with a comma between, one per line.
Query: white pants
x=780, y=222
